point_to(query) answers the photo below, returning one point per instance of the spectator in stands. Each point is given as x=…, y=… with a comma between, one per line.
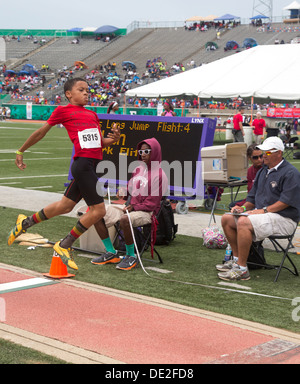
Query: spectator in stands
x=295, y=124
x=195, y=103
x=113, y=107
x=168, y=109
x=43, y=80
x=7, y=113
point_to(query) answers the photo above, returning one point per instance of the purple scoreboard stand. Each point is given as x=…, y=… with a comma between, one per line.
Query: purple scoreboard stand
x=181, y=140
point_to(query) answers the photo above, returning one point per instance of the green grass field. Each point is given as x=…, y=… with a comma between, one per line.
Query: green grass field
x=193, y=278
x=47, y=162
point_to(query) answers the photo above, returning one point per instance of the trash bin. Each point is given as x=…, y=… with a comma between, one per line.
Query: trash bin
x=248, y=138
x=90, y=239
x=228, y=134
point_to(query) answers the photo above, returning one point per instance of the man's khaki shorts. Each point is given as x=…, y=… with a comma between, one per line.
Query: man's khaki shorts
x=271, y=224
x=115, y=212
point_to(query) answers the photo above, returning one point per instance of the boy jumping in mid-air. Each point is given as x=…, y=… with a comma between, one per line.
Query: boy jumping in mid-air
x=83, y=129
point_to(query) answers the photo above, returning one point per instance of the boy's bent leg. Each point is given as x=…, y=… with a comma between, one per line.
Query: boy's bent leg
x=63, y=248
x=61, y=207
x=93, y=215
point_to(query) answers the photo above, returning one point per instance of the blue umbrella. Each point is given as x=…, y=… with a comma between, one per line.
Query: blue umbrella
x=232, y=45
x=23, y=73
x=106, y=29
x=9, y=72
x=128, y=64
x=27, y=66
x=249, y=42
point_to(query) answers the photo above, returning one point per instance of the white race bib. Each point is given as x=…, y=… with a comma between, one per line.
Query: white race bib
x=89, y=138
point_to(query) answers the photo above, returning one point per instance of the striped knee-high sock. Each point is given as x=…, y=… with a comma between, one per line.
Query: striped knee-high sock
x=36, y=218
x=76, y=232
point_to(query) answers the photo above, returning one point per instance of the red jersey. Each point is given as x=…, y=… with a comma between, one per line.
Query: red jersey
x=83, y=129
x=238, y=118
x=259, y=125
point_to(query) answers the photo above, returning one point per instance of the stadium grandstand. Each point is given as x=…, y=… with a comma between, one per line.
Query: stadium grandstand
x=34, y=64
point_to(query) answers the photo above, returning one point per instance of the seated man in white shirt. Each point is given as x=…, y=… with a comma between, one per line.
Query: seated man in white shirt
x=272, y=207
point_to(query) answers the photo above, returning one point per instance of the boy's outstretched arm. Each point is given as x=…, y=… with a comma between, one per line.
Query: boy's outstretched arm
x=34, y=138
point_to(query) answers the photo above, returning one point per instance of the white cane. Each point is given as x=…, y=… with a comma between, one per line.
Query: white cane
x=137, y=251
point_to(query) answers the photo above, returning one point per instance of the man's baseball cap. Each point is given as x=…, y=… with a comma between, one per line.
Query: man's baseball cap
x=272, y=142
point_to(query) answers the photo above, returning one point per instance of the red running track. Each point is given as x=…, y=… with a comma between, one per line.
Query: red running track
x=135, y=332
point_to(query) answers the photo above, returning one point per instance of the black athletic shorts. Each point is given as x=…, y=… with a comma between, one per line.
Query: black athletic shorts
x=84, y=184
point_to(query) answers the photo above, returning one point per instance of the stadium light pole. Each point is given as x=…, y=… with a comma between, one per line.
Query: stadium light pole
x=263, y=7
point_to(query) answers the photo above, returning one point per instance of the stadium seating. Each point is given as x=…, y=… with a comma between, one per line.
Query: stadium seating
x=173, y=45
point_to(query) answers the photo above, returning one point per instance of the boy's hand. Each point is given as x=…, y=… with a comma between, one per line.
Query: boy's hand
x=19, y=162
x=115, y=133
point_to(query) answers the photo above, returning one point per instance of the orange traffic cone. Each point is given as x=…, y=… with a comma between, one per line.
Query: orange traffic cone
x=58, y=270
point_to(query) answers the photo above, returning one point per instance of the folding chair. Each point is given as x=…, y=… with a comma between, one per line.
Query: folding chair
x=280, y=248
x=289, y=147
x=146, y=235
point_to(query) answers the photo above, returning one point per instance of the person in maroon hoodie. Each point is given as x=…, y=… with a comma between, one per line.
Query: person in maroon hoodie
x=144, y=192
x=256, y=158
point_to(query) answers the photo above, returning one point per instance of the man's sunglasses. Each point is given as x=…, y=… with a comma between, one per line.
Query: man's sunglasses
x=144, y=151
x=256, y=157
x=268, y=153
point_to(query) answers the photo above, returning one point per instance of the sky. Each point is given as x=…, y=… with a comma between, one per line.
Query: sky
x=64, y=14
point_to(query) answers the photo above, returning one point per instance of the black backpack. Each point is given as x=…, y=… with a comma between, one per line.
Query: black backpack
x=256, y=256
x=166, y=228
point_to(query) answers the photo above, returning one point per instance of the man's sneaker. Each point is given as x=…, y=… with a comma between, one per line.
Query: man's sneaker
x=227, y=266
x=65, y=255
x=129, y=262
x=107, y=258
x=17, y=230
x=235, y=274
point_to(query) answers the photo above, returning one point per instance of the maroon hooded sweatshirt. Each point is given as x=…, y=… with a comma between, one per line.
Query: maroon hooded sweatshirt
x=148, y=182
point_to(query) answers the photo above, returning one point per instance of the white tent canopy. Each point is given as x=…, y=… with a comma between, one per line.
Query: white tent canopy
x=293, y=5
x=265, y=71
